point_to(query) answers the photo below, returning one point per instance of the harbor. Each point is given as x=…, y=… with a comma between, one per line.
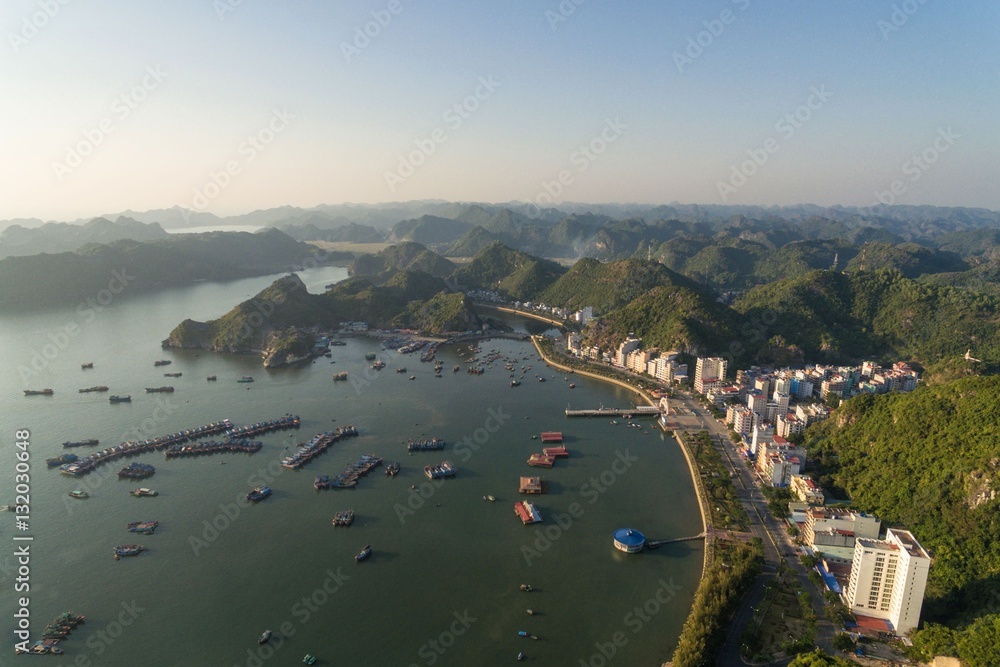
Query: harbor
x=628, y=413
x=485, y=567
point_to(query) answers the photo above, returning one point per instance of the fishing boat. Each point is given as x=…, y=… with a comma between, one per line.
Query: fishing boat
x=572, y=385
x=526, y=588
x=128, y=550
x=370, y=356
x=378, y=365
x=520, y=656
x=38, y=392
x=136, y=470
x=524, y=633
x=79, y=493
x=392, y=469
x=344, y=518
x=172, y=375
x=246, y=378
x=211, y=378
x=401, y=370
x=365, y=553
x=144, y=527
x=89, y=364
x=259, y=493
x=413, y=377
x=264, y=637
x=443, y=469
x=489, y=499
x=159, y=390
x=120, y=399
x=515, y=383
x=92, y=389
x=139, y=493
x=339, y=377
x=162, y=362
x=60, y=460
x=310, y=659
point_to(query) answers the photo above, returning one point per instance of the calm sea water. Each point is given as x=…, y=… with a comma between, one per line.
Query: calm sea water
x=442, y=587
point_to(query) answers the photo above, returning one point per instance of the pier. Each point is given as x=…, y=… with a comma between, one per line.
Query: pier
x=652, y=544
x=636, y=411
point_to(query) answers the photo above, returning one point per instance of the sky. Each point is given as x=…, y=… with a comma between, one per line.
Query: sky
x=229, y=106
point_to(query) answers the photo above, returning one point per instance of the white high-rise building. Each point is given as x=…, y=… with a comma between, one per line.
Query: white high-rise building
x=707, y=371
x=888, y=578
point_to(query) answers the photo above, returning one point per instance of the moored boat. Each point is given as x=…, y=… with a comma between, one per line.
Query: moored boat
x=128, y=550
x=309, y=659
x=264, y=637
x=162, y=362
x=392, y=469
x=365, y=553
x=139, y=493
x=120, y=399
x=246, y=378
x=211, y=378
x=60, y=460
x=88, y=390
x=79, y=493
x=259, y=493
x=89, y=364
x=38, y=392
x=343, y=518
x=443, y=469
x=158, y=390
x=144, y=527
x=172, y=375
x=136, y=470
x=338, y=377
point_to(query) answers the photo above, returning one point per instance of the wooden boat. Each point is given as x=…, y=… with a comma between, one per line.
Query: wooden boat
x=365, y=553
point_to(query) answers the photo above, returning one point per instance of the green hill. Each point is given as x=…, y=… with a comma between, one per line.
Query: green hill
x=475, y=241
x=835, y=316
x=281, y=312
x=511, y=272
x=429, y=230
x=928, y=461
x=611, y=285
x=123, y=268
x=407, y=256
x=910, y=259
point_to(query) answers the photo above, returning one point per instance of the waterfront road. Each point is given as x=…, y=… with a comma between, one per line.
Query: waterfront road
x=777, y=546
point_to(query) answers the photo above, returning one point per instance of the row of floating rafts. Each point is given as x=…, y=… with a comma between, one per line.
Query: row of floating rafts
x=136, y=470
x=392, y=468
x=132, y=447
x=425, y=444
x=349, y=478
x=244, y=445
x=476, y=370
x=443, y=469
x=144, y=527
x=288, y=421
x=310, y=450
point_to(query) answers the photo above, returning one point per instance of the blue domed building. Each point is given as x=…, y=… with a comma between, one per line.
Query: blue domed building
x=629, y=540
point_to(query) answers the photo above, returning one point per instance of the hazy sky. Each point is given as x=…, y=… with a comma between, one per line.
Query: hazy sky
x=234, y=105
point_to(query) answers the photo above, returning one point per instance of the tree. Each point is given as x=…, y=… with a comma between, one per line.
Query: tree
x=979, y=644
x=932, y=640
x=843, y=642
x=818, y=659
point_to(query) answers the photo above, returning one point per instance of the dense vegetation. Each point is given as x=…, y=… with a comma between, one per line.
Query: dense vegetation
x=838, y=317
x=104, y=272
x=54, y=237
x=929, y=461
x=407, y=299
x=513, y=273
x=401, y=257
